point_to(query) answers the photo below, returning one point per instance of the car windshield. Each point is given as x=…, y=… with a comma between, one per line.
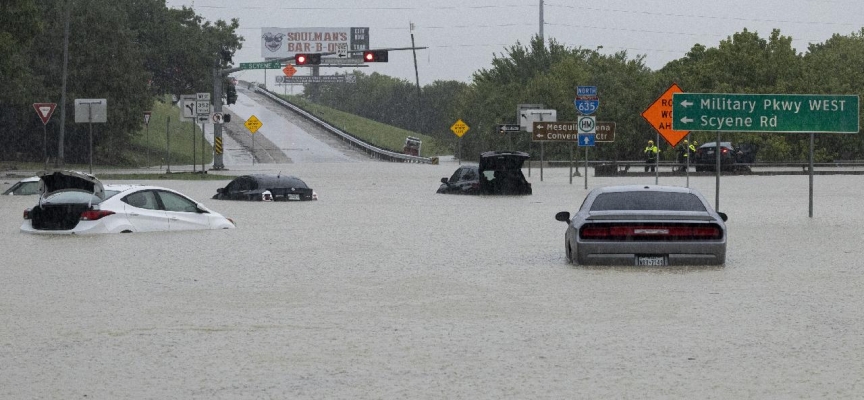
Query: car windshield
x=647, y=201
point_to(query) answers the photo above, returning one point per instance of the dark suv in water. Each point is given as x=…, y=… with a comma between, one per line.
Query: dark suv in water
x=498, y=172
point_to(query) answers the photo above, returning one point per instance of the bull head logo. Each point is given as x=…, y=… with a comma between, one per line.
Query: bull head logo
x=273, y=41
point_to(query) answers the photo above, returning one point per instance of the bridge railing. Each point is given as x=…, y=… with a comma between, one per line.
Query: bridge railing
x=372, y=150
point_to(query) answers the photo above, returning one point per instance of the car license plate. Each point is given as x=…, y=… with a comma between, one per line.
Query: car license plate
x=650, y=261
x=293, y=197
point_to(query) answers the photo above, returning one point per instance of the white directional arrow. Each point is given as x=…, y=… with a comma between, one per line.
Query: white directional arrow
x=686, y=120
x=586, y=140
x=686, y=103
x=539, y=135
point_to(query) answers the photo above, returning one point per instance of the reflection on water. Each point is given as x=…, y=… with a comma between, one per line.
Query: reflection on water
x=384, y=289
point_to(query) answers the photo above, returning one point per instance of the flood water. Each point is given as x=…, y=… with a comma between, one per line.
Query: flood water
x=383, y=289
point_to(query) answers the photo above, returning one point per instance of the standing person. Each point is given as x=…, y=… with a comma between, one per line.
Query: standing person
x=651, y=156
x=684, y=153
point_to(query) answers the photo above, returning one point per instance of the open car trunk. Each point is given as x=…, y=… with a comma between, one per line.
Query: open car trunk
x=501, y=173
x=65, y=214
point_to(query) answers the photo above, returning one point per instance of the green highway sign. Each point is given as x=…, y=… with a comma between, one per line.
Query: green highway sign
x=801, y=113
x=261, y=65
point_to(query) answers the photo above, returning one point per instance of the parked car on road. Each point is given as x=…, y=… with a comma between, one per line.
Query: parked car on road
x=78, y=203
x=26, y=186
x=497, y=173
x=732, y=158
x=645, y=226
x=266, y=187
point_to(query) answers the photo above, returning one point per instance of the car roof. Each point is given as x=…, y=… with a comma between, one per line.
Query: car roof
x=713, y=144
x=275, y=181
x=640, y=188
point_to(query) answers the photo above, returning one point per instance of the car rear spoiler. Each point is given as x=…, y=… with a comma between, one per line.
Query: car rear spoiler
x=650, y=216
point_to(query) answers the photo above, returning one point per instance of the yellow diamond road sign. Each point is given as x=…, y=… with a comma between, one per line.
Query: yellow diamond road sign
x=252, y=124
x=459, y=128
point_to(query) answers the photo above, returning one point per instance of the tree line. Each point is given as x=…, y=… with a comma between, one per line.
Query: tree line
x=548, y=73
x=131, y=53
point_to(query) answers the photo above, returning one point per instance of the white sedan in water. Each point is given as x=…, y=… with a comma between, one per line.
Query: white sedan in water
x=78, y=203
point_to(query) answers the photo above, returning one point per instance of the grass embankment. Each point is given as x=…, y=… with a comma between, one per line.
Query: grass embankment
x=381, y=135
x=157, y=141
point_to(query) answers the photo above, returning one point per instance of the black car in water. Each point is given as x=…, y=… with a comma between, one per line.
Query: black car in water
x=266, y=187
x=498, y=172
x=732, y=158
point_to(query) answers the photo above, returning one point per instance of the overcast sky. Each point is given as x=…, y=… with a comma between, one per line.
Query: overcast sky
x=463, y=36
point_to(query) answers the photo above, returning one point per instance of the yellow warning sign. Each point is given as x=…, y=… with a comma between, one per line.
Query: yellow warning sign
x=252, y=124
x=459, y=128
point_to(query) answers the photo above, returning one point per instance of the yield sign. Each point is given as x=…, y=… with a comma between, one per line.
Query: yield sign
x=44, y=110
x=659, y=115
x=289, y=70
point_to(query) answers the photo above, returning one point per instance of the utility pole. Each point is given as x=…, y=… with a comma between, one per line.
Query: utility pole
x=541, y=23
x=60, y=162
x=417, y=78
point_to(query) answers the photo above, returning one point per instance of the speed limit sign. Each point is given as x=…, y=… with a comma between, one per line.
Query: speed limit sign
x=217, y=117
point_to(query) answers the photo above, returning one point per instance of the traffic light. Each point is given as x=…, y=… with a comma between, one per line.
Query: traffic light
x=375, y=56
x=307, y=59
x=230, y=94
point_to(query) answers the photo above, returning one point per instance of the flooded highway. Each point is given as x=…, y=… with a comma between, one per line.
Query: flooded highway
x=384, y=289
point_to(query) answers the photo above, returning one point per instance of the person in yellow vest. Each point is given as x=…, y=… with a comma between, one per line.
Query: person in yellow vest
x=684, y=153
x=651, y=152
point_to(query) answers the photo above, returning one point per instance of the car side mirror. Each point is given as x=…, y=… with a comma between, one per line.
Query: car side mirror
x=722, y=216
x=444, y=180
x=563, y=216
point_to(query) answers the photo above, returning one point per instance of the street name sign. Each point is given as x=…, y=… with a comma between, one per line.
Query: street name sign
x=787, y=113
x=253, y=124
x=317, y=79
x=459, y=128
x=586, y=140
x=605, y=131
x=261, y=65
x=564, y=131
x=659, y=116
x=44, y=110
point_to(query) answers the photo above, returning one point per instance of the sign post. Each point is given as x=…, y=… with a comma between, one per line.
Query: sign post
x=772, y=113
x=659, y=116
x=459, y=128
x=44, y=111
x=253, y=124
x=90, y=111
x=147, y=115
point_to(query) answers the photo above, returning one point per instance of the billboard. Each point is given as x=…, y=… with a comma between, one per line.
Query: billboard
x=285, y=42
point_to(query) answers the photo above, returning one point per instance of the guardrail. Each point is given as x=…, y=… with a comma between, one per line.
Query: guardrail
x=373, y=151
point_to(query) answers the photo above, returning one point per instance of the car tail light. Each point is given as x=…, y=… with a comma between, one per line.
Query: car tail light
x=27, y=214
x=650, y=232
x=724, y=150
x=93, y=215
